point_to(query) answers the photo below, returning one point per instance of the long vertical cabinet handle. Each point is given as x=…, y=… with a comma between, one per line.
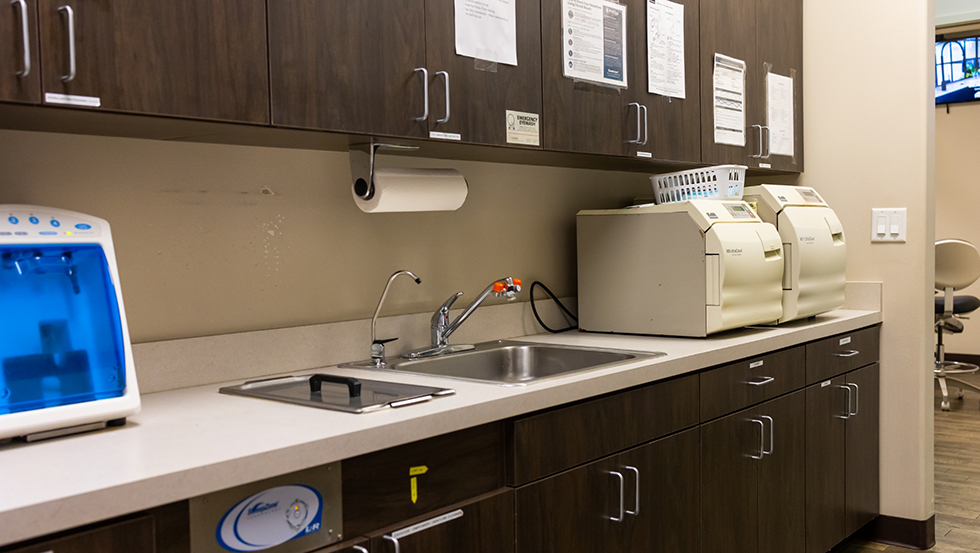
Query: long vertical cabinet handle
x=768, y=142
x=425, y=100
x=772, y=434
x=762, y=439
x=445, y=75
x=360, y=549
x=394, y=541
x=25, y=36
x=70, y=24
x=857, y=399
x=759, y=155
x=847, y=411
x=636, y=504
x=646, y=128
x=622, y=510
x=639, y=123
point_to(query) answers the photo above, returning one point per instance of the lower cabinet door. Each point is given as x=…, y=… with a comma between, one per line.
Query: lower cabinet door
x=861, y=490
x=578, y=511
x=484, y=525
x=662, y=496
x=731, y=450
x=358, y=545
x=782, y=476
x=827, y=409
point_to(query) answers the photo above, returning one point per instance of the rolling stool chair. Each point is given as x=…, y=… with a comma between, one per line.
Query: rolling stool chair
x=957, y=266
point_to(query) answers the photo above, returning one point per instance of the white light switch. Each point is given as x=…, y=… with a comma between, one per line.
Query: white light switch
x=888, y=224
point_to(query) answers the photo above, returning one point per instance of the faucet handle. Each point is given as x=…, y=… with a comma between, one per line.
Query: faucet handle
x=446, y=305
x=378, y=351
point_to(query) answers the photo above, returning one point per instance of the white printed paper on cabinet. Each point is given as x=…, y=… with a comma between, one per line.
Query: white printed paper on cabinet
x=729, y=100
x=665, y=48
x=594, y=41
x=779, y=103
x=487, y=30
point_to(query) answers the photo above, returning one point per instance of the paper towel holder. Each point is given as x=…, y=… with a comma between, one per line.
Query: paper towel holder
x=362, y=165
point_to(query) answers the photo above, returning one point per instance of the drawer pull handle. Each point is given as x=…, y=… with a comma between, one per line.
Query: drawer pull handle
x=359, y=549
x=762, y=439
x=847, y=410
x=70, y=25
x=394, y=540
x=857, y=399
x=848, y=353
x=765, y=380
x=25, y=36
x=622, y=510
x=425, y=97
x=772, y=434
x=636, y=505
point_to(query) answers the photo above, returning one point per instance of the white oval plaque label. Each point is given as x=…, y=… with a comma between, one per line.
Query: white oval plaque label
x=270, y=518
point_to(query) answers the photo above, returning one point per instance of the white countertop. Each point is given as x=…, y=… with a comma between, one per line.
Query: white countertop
x=194, y=441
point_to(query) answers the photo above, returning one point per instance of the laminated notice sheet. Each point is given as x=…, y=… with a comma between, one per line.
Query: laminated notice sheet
x=665, y=48
x=779, y=107
x=487, y=30
x=594, y=41
x=728, y=89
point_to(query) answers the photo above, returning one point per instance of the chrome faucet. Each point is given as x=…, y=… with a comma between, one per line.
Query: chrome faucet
x=378, y=346
x=442, y=328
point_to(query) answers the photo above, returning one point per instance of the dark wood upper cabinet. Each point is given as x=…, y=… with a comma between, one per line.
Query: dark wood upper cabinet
x=480, y=96
x=861, y=490
x=826, y=409
x=672, y=126
x=182, y=58
x=20, y=71
x=780, y=46
x=349, y=65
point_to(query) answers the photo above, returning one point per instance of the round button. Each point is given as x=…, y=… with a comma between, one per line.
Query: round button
x=83, y=226
x=13, y=220
x=55, y=223
x=34, y=220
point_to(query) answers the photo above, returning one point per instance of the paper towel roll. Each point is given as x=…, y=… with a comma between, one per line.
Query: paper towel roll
x=415, y=190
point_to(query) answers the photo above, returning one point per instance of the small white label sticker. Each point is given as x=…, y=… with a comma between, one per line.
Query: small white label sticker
x=523, y=128
x=644, y=154
x=845, y=340
x=756, y=364
x=71, y=100
x=765, y=166
x=825, y=384
x=427, y=524
x=445, y=135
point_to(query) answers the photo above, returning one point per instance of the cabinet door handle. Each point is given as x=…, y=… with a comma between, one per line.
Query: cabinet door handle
x=762, y=438
x=445, y=75
x=70, y=25
x=765, y=380
x=772, y=435
x=636, y=504
x=25, y=36
x=848, y=353
x=759, y=155
x=618, y=475
x=360, y=549
x=425, y=97
x=768, y=142
x=857, y=399
x=394, y=541
x=639, y=129
x=646, y=128
x=847, y=410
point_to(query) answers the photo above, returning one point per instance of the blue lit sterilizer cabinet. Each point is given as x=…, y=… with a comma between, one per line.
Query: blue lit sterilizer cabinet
x=67, y=362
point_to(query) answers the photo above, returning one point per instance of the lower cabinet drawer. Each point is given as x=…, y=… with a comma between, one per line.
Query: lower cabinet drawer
x=483, y=525
x=839, y=354
x=389, y=486
x=547, y=443
x=738, y=385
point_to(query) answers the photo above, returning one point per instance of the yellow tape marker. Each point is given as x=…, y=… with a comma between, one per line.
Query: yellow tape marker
x=414, y=472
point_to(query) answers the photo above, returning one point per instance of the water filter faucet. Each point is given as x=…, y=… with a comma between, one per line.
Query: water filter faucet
x=378, y=346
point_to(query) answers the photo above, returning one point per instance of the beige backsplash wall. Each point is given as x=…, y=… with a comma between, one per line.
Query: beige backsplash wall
x=203, y=250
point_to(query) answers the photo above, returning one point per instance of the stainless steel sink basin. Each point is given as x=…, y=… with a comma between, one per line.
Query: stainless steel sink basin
x=508, y=363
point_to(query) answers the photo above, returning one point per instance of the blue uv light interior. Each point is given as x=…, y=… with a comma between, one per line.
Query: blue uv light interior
x=60, y=330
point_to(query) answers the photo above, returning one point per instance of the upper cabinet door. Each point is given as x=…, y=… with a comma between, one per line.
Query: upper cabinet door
x=671, y=126
x=20, y=72
x=728, y=27
x=350, y=65
x=184, y=58
x=780, y=50
x=580, y=116
x=479, y=93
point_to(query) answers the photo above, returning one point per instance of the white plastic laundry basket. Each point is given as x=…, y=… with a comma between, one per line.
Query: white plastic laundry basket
x=721, y=182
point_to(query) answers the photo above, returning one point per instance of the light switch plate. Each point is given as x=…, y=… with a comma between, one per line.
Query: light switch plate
x=888, y=224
